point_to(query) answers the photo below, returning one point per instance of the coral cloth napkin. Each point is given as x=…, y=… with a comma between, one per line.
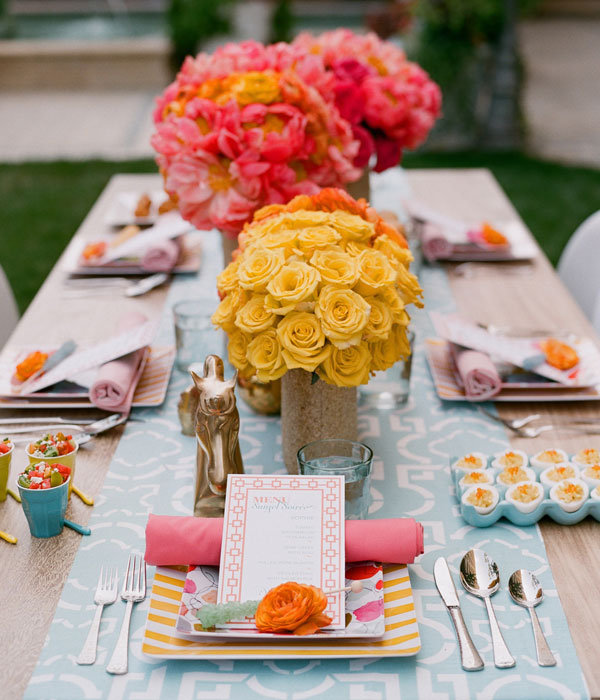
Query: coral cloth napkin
x=434, y=243
x=476, y=373
x=162, y=256
x=172, y=540
x=116, y=381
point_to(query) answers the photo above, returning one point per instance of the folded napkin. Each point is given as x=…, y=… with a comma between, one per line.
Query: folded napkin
x=434, y=243
x=116, y=380
x=172, y=540
x=162, y=256
x=476, y=373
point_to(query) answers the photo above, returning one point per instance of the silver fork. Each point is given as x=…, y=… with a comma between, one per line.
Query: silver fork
x=106, y=594
x=134, y=591
x=515, y=424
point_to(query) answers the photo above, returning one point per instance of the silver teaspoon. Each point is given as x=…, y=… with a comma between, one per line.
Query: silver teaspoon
x=479, y=575
x=525, y=590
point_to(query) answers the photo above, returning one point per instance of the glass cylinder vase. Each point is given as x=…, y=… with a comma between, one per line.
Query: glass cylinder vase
x=314, y=412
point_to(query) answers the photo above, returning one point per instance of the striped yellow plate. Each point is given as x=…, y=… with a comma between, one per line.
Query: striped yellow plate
x=162, y=640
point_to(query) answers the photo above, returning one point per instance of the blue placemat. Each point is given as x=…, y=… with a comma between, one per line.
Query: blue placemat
x=153, y=471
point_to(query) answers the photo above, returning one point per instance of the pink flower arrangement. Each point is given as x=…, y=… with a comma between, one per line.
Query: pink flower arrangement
x=391, y=103
x=248, y=126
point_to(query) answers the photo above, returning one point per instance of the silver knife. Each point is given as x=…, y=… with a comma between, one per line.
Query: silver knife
x=469, y=656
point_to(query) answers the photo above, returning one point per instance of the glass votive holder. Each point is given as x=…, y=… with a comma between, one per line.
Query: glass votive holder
x=351, y=459
x=391, y=388
x=45, y=509
x=195, y=335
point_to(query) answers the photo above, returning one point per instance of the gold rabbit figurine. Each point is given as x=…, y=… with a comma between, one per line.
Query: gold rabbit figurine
x=217, y=427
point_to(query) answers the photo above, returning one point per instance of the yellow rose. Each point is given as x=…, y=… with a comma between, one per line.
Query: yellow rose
x=227, y=281
x=237, y=349
x=343, y=314
x=254, y=317
x=264, y=354
x=387, y=352
x=347, y=367
x=380, y=320
x=303, y=219
x=303, y=341
x=394, y=303
x=351, y=226
x=258, y=266
x=309, y=239
x=374, y=272
x=225, y=314
x=410, y=289
x=396, y=254
x=295, y=282
x=355, y=248
x=336, y=267
x=283, y=239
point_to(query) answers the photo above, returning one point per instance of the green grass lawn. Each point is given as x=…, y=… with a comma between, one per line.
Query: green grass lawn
x=42, y=204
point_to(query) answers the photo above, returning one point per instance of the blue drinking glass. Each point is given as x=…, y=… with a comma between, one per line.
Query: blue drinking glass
x=45, y=509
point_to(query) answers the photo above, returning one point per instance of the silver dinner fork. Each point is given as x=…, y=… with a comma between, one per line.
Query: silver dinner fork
x=106, y=594
x=134, y=591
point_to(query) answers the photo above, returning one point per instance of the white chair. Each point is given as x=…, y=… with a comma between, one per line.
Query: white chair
x=579, y=267
x=9, y=314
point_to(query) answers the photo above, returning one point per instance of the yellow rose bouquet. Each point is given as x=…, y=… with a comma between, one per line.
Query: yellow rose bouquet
x=321, y=284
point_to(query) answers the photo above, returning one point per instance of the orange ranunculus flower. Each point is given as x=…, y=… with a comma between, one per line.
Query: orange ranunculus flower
x=559, y=354
x=292, y=607
x=30, y=365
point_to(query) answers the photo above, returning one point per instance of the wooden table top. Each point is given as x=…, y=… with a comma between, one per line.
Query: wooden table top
x=535, y=298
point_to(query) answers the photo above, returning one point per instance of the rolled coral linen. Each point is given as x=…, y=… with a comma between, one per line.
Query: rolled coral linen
x=162, y=256
x=172, y=540
x=116, y=381
x=434, y=243
x=477, y=374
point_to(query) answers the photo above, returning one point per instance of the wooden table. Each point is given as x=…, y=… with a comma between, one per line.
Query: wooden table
x=34, y=571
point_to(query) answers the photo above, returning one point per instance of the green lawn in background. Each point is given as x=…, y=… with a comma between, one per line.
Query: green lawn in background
x=42, y=204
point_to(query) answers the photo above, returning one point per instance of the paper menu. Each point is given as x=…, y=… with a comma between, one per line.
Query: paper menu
x=283, y=528
x=517, y=351
x=81, y=360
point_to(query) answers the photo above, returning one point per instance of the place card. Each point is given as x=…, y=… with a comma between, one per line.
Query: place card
x=283, y=528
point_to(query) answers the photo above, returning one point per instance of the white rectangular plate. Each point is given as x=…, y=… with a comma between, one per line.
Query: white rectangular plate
x=162, y=640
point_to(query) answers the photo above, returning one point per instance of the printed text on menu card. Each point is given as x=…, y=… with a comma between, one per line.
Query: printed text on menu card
x=283, y=528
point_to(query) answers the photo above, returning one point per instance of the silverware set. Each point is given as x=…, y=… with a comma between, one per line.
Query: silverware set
x=132, y=591
x=85, y=429
x=92, y=286
x=480, y=577
x=521, y=427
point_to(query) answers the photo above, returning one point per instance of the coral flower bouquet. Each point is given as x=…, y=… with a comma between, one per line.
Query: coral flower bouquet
x=391, y=102
x=319, y=289
x=248, y=126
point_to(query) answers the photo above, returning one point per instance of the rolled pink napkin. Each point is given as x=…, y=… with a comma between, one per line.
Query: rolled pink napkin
x=172, y=540
x=434, y=243
x=162, y=256
x=476, y=373
x=116, y=381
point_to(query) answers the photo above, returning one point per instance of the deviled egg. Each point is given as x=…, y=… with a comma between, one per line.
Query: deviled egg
x=471, y=461
x=483, y=498
x=589, y=455
x=570, y=494
x=526, y=496
x=591, y=475
x=475, y=478
x=552, y=475
x=510, y=458
x=514, y=475
x=547, y=457
x=595, y=493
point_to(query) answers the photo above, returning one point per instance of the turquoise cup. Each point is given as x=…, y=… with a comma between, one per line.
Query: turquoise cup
x=45, y=509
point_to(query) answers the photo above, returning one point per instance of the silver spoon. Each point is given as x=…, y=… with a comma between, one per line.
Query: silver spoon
x=525, y=590
x=479, y=576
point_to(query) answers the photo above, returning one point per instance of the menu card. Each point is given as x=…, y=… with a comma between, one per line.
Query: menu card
x=283, y=528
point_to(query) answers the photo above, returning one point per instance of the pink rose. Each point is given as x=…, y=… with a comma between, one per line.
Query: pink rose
x=348, y=99
x=388, y=153
x=351, y=69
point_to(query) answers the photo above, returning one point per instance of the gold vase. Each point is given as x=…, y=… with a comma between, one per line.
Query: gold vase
x=361, y=188
x=262, y=397
x=314, y=412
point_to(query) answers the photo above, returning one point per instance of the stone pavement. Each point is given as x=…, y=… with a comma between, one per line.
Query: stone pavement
x=561, y=103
